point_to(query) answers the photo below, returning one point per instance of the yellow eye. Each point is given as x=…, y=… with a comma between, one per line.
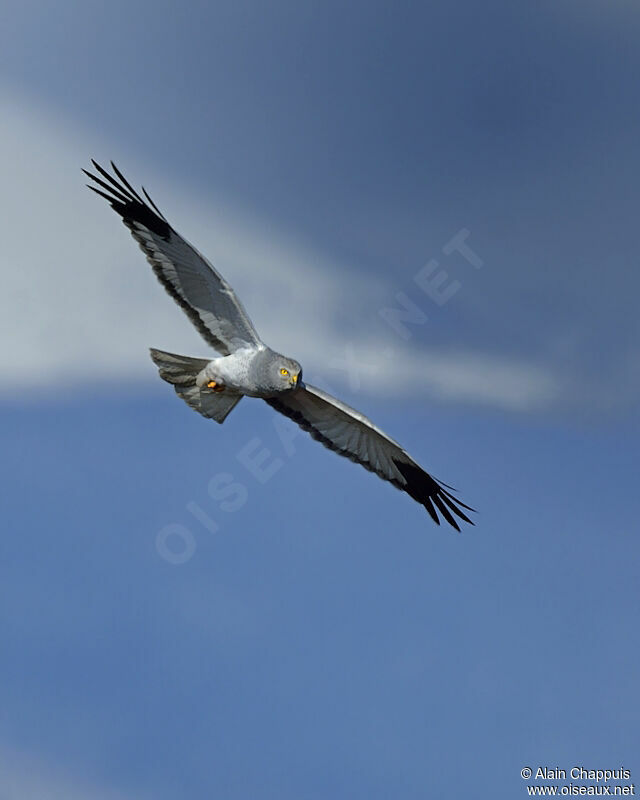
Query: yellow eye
x=284, y=371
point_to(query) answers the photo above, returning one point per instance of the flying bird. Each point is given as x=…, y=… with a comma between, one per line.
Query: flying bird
x=248, y=367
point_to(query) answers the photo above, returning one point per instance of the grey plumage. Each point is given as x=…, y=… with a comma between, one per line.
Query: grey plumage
x=348, y=432
x=178, y=370
x=188, y=277
x=264, y=372
x=246, y=366
x=212, y=406
x=182, y=372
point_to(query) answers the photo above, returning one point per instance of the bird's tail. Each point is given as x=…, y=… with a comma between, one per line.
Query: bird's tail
x=182, y=372
x=178, y=370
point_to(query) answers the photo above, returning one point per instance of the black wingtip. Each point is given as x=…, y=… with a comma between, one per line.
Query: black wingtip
x=126, y=183
x=154, y=206
x=102, y=194
x=445, y=513
x=428, y=492
x=126, y=201
x=432, y=512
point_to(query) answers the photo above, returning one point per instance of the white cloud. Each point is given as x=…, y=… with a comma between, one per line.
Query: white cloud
x=25, y=777
x=79, y=305
x=461, y=377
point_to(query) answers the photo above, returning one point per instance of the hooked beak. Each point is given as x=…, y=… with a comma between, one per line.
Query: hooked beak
x=294, y=379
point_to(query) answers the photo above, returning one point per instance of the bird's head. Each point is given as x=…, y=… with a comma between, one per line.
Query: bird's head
x=275, y=373
x=288, y=374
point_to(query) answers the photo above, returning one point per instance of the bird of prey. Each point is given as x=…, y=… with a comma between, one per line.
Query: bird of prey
x=248, y=367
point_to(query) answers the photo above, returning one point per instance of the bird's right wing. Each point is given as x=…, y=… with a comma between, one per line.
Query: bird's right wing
x=205, y=296
x=349, y=433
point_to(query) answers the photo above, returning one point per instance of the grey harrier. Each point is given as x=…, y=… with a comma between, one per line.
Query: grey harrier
x=246, y=366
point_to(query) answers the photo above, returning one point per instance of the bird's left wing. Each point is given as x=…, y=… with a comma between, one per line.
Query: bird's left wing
x=349, y=433
x=204, y=295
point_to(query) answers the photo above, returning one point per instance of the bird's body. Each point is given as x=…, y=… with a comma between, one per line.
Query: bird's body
x=246, y=367
x=230, y=371
x=247, y=372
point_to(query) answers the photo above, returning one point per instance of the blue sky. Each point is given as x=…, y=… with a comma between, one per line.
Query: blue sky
x=323, y=638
